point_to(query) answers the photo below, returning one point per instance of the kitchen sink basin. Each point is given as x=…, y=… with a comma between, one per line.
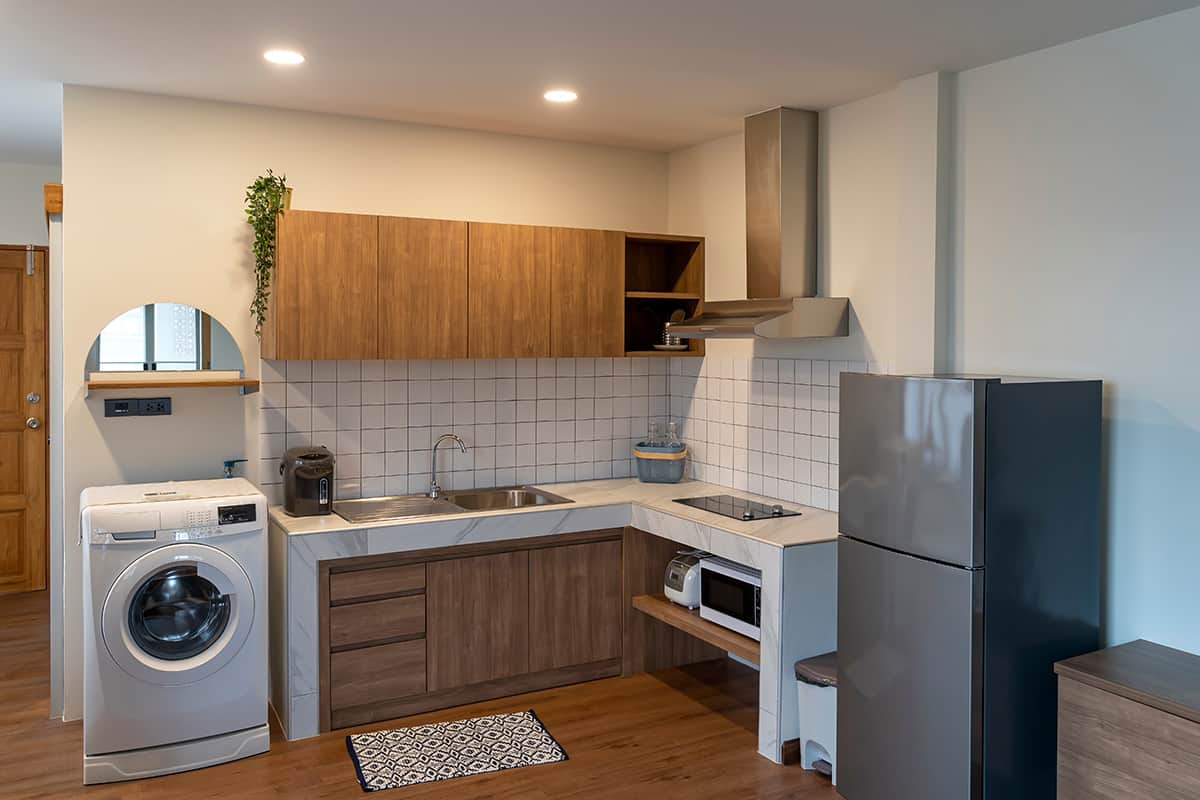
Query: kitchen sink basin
x=507, y=497
x=379, y=509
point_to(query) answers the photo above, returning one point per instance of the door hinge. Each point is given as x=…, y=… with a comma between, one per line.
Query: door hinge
x=28, y=259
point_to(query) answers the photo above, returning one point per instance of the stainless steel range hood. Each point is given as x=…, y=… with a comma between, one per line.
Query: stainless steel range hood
x=781, y=241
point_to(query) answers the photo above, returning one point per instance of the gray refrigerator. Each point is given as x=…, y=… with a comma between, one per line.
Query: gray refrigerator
x=968, y=563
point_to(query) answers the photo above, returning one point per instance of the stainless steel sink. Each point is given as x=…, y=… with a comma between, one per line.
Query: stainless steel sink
x=381, y=509
x=506, y=497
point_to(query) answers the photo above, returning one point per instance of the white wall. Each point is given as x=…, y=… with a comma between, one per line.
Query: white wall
x=879, y=202
x=22, y=209
x=1078, y=254
x=156, y=187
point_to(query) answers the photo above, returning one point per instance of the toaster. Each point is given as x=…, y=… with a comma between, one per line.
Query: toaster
x=681, y=584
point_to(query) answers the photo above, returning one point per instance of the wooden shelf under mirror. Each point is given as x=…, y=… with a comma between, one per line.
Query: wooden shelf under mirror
x=199, y=379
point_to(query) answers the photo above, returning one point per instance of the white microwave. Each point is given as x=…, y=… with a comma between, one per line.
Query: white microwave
x=730, y=596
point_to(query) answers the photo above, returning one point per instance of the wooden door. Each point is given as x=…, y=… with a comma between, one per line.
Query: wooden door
x=422, y=288
x=574, y=605
x=587, y=291
x=325, y=297
x=509, y=289
x=23, y=477
x=477, y=619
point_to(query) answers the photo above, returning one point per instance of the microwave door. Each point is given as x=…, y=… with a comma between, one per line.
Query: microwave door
x=730, y=601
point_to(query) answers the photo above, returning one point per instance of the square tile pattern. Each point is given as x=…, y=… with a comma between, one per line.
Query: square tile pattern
x=758, y=424
x=524, y=420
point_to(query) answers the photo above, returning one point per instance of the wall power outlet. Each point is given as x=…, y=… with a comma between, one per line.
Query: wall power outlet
x=138, y=407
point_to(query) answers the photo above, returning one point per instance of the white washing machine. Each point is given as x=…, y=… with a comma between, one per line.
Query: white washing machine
x=175, y=627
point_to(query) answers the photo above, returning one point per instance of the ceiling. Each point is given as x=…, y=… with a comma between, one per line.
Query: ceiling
x=655, y=74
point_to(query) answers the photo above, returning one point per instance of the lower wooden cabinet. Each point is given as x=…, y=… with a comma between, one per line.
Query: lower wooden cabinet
x=574, y=604
x=376, y=674
x=479, y=619
x=404, y=634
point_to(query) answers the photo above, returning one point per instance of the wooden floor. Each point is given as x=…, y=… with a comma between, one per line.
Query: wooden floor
x=684, y=733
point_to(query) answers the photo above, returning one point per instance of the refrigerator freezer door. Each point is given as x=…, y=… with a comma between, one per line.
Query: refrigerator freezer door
x=909, y=677
x=911, y=453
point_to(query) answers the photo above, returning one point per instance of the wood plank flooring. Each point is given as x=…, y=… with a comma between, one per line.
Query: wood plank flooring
x=683, y=733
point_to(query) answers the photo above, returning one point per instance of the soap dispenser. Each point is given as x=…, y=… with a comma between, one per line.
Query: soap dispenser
x=230, y=464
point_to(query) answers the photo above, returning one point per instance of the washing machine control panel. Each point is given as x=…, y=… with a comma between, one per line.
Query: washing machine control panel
x=178, y=521
x=231, y=515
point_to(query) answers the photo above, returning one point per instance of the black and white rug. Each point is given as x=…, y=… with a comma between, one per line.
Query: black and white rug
x=403, y=756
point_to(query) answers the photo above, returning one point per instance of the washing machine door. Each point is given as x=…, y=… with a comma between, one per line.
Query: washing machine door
x=178, y=614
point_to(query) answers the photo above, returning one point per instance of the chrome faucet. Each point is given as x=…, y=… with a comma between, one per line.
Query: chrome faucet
x=435, y=491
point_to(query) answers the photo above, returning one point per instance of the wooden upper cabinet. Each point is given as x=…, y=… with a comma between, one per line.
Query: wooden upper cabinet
x=509, y=290
x=574, y=605
x=422, y=288
x=587, y=288
x=325, y=292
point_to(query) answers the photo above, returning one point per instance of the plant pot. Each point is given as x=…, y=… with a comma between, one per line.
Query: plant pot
x=287, y=199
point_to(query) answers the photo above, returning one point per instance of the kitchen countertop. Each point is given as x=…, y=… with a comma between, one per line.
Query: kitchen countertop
x=812, y=526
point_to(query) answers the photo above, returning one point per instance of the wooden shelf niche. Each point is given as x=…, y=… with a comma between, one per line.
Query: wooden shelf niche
x=663, y=274
x=689, y=621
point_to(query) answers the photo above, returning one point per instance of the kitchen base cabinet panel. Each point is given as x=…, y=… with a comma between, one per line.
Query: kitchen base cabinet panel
x=376, y=674
x=574, y=604
x=478, y=619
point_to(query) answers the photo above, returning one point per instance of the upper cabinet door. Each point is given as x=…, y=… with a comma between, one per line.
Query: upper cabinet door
x=422, y=288
x=325, y=302
x=587, y=285
x=509, y=289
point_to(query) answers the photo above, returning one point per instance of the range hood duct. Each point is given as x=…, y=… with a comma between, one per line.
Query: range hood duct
x=781, y=241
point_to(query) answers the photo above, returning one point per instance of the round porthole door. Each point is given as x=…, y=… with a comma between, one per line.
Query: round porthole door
x=178, y=614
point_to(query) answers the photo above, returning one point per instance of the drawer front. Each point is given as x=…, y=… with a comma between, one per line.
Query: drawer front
x=376, y=620
x=379, y=582
x=1112, y=748
x=375, y=674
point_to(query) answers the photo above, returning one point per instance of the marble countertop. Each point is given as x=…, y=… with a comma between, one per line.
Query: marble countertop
x=812, y=526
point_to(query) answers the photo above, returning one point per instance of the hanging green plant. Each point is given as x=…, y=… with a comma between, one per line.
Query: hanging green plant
x=265, y=199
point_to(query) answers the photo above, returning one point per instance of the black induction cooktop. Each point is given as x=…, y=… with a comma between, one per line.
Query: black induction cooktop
x=737, y=507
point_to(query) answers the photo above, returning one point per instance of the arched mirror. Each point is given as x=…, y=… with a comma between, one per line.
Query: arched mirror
x=165, y=342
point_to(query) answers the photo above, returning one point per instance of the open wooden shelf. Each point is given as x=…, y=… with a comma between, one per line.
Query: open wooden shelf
x=246, y=385
x=659, y=353
x=663, y=610
x=663, y=295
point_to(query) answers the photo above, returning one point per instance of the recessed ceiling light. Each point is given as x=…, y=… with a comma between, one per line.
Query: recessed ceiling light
x=288, y=57
x=561, y=96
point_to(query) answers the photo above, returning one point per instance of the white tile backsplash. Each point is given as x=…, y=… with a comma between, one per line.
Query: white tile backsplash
x=764, y=425
x=544, y=420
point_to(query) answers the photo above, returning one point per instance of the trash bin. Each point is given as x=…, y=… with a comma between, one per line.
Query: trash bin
x=816, y=691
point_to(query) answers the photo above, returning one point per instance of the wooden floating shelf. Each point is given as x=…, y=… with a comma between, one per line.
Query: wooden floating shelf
x=660, y=353
x=662, y=296
x=663, y=610
x=246, y=385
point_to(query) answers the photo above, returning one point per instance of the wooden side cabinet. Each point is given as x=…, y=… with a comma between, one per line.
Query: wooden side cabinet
x=508, y=281
x=1129, y=724
x=324, y=297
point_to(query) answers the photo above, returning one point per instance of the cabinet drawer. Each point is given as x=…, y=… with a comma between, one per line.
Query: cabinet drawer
x=375, y=674
x=375, y=620
x=379, y=582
